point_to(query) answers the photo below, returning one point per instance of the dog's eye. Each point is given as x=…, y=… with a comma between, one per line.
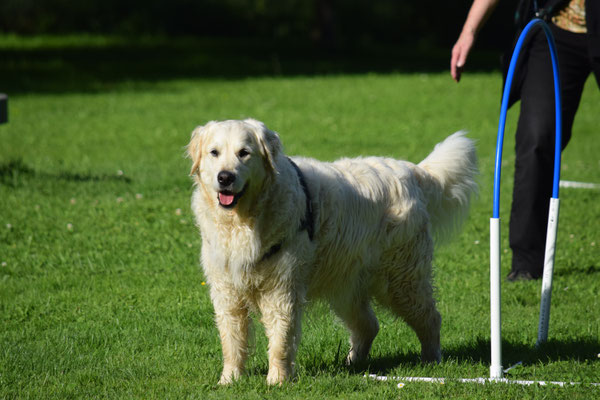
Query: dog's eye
x=243, y=153
x=214, y=153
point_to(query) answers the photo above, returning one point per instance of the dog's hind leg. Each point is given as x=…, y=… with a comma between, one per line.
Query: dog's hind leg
x=410, y=296
x=420, y=313
x=359, y=318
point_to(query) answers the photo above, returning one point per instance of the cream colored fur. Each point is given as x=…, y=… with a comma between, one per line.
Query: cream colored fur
x=374, y=223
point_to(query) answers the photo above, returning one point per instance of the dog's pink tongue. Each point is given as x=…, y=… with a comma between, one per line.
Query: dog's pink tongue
x=225, y=199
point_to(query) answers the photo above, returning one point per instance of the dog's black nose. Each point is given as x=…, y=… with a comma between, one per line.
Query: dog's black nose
x=225, y=178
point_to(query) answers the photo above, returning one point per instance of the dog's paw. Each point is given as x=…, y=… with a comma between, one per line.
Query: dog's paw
x=352, y=359
x=431, y=356
x=277, y=376
x=356, y=357
x=229, y=376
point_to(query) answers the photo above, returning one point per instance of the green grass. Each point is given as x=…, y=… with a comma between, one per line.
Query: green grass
x=101, y=292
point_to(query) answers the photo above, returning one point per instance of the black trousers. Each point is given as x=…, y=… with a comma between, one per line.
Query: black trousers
x=535, y=137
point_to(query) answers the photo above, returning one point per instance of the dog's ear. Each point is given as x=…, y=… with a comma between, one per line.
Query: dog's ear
x=194, y=148
x=268, y=141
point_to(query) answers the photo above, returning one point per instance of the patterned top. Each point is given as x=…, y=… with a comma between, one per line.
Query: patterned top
x=571, y=17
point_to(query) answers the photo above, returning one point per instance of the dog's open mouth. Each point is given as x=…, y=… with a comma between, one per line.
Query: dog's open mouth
x=228, y=199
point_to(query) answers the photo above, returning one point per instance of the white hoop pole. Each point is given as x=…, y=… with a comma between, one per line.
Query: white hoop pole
x=495, y=308
x=548, y=271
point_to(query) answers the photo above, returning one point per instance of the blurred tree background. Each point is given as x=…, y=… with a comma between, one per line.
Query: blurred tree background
x=65, y=45
x=329, y=23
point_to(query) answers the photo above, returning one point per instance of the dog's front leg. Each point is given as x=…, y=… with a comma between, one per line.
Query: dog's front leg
x=281, y=314
x=233, y=320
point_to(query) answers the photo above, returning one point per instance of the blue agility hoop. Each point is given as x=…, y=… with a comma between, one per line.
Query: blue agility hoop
x=504, y=110
x=496, y=371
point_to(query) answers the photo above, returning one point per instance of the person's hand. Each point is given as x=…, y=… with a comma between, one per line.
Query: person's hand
x=460, y=52
x=478, y=13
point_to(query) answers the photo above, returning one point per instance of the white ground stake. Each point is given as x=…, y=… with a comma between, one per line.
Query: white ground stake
x=548, y=271
x=469, y=380
x=579, y=185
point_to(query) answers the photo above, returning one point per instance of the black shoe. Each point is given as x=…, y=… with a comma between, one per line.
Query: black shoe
x=518, y=275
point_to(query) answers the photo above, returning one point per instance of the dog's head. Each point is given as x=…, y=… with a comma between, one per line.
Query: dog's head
x=233, y=159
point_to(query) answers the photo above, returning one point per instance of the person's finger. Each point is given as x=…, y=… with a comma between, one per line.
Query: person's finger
x=462, y=59
x=456, y=74
x=455, y=64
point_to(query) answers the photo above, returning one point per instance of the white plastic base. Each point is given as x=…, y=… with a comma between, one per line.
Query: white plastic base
x=496, y=372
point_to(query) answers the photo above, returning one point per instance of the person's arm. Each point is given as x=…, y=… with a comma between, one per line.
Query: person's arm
x=478, y=15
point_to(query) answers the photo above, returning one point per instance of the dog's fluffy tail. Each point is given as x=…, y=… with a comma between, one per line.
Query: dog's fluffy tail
x=450, y=182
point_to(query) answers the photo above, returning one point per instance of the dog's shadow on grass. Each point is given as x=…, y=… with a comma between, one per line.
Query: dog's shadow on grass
x=478, y=352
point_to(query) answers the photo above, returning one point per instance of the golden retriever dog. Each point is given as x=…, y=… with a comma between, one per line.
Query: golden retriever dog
x=278, y=231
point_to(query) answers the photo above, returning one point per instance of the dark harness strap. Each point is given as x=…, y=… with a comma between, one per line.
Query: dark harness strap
x=271, y=251
x=307, y=223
